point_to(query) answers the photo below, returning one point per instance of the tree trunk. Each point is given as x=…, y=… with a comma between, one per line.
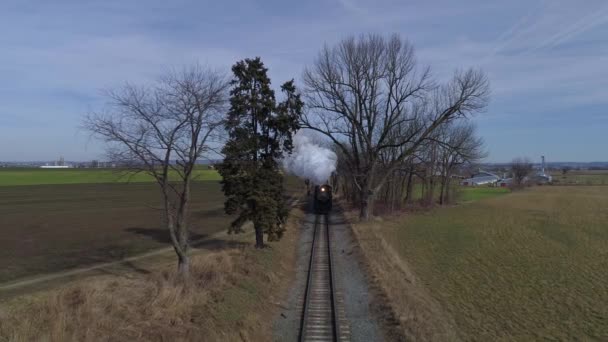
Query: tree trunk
x=430, y=195
x=400, y=194
x=387, y=191
x=183, y=260
x=179, y=239
x=392, y=195
x=366, y=202
x=183, y=264
x=364, y=213
x=442, y=192
x=365, y=199
x=259, y=237
x=410, y=187
x=430, y=192
x=182, y=249
x=447, y=190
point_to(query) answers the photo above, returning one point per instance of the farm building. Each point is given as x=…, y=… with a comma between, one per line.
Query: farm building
x=542, y=178
x=60, y=164
x=481, y=178
x=505, y=182
x=54, y=167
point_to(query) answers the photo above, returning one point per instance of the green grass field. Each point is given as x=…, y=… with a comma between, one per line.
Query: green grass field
x=527, y=266
x=34, y=176
x=471, y=194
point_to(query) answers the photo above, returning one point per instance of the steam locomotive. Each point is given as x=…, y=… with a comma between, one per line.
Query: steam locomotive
x=322, y=201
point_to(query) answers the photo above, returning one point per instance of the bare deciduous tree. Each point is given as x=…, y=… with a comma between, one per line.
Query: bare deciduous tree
x=521, y=168
x=162, y=131
x=368, y=95
x=459, y=146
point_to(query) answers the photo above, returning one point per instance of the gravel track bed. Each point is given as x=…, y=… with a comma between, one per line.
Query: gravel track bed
x=352, y=287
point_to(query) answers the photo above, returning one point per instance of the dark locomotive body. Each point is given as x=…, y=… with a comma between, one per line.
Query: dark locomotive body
x=322, y=199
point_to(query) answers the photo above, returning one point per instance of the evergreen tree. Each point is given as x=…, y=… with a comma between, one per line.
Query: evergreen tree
x=260, y=132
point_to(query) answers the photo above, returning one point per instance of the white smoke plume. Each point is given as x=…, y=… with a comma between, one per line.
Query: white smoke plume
x=309, y=160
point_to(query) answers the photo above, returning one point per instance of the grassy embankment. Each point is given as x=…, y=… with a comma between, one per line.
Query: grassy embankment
x=527, y=266
x=232, y=295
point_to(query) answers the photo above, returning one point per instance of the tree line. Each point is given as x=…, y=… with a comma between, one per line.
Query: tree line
x=390, y=122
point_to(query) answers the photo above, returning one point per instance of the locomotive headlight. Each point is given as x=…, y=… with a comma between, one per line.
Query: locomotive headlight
x=322, y=189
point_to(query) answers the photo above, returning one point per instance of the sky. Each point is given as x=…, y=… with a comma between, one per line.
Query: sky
x=547, y=61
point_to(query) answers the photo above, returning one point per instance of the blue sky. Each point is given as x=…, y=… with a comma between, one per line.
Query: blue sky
x=547, y=61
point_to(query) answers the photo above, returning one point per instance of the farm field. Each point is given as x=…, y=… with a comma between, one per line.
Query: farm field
x=465, y=193
x=581, y=177
x=47, y=228
x=140, y=302
x=34, y=176
x=74, y=217
x=527, y=266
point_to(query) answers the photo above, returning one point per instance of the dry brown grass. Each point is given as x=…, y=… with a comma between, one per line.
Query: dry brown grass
x=156, y=307
x=418, y=316
x=226, y=299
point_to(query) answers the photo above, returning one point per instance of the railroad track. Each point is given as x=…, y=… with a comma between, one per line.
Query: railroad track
x=322, y=318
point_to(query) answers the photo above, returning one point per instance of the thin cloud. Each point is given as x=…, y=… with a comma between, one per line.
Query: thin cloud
x=514, y=32
x=546, y=27
x=594, y=19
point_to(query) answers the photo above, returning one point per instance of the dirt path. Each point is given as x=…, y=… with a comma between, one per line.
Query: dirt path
x=65, y=274
x=142, y=263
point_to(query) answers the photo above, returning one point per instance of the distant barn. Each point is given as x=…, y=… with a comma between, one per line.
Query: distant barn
x=505, y=182
x=481, y=178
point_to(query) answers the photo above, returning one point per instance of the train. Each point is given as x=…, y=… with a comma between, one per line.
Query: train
x=322, y=201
